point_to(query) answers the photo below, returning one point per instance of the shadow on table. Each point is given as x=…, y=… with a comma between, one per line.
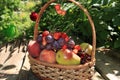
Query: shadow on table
x=24, y=75
x=108, y=66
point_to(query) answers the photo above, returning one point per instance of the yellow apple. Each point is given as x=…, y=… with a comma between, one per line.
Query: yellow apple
x=86, y=47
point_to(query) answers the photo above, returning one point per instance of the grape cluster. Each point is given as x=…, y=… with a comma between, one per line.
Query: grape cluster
x=55, y=41
x=84, y=57
x=60, y=40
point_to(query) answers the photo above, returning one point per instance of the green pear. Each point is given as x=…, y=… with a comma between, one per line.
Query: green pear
x=86, y=47
x=66, y=57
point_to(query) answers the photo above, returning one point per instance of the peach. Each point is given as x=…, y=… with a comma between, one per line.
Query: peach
x=47, y=56
x=34, y=48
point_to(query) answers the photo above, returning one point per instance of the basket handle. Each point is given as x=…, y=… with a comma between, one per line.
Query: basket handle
x=82, y=8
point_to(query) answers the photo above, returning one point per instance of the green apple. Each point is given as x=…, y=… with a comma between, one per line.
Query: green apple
x=66, y=57
x=86, y=47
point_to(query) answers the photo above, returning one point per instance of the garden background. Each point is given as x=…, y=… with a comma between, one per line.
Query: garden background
x=15, y=22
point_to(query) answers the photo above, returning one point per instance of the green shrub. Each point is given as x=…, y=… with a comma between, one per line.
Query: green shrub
x=105, y=14
x=14, y=19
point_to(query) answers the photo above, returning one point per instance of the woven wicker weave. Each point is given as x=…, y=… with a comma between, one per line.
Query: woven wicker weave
x=47, y=71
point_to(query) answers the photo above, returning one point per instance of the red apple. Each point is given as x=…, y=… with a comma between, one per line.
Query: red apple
x=34, y=48
x=33, y=16
x=47, y=56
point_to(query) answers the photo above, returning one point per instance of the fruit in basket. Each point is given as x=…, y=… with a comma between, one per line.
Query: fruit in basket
x=84, y=57
x=49, y=38
x=47, y=56
x=45, y=33
x=71, y=43
x=86, y=47
x=65, y=36
x=56, y=35
x=61, y=41
x=44, y=41
x=67, y=57
x=58, y=47
x=33, y=16
x=34, y=48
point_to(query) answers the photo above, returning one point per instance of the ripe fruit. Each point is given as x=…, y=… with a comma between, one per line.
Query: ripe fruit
x=61, y=41
x=47, y=56
x=49, y=47
x=77, y=47
x=56, y=45
x=86, y=47
x=49, y=38
x=44, y=41
x=66, y=57
x=39, y=39
x=75, y=51
x=45, y=33
x=57, y=35
x=59, y=47
x=64, y=35
x=64, y=47
x=84, y=58
x=71, y=43
x=34, y=48
x=33, y=16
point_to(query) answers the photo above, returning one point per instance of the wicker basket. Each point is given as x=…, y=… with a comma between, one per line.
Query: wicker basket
x=47, y=71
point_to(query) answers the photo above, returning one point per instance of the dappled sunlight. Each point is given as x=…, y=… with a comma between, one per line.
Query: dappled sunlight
x=112, y=76
x=108, y=66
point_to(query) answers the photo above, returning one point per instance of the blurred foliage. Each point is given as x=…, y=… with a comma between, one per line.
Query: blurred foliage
x=14, y=19
x=105, y=14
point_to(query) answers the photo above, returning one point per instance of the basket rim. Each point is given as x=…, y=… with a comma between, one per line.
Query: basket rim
x=88, y=64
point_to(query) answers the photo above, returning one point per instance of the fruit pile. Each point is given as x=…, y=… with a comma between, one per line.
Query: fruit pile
x=59, y=48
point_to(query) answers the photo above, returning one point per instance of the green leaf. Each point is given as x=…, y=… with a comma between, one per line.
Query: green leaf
x=95, y=1
x=105, y=2
x=116, y=20
x=117, y=43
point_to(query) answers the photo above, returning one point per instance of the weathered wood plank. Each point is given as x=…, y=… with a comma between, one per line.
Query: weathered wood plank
x=26, y=73
x=7, y=51
x=3, y=49
x=12, y=66
x=5, y=54
x=97, y=76
x=23, y=75
x=108, y=66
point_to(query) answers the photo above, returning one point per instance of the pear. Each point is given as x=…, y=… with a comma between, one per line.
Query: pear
x=86, y=47
x=67, y=57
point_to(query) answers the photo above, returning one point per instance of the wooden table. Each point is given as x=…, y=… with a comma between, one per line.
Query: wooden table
x=14, y=63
